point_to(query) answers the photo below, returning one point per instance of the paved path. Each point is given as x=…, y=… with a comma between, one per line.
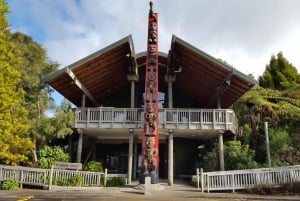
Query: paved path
x=129, y=192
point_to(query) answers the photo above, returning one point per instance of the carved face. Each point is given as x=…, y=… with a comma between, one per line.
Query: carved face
x=151, y=116
x=150, y=141
x=150, y=107
x=151, y=76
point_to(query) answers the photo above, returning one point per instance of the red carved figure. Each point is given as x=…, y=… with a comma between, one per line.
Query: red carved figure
x=150, y=159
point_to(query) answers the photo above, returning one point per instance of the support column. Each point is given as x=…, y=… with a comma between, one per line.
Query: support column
x=170, y=79
x=79, y=146
x=135, y=158
x=221, y=147
x=130, y=151
x=80, y=136
x=70, y=148
x=170, y=159
x=133, y=79
x=221, y=151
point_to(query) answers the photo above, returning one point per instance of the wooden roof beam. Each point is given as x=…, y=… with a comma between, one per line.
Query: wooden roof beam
x=221, y=88
x=80, y=86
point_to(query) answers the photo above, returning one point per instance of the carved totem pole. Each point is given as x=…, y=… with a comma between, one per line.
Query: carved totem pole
x=150, y=139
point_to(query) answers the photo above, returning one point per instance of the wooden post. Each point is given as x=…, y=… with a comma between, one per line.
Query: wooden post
x=197, y=174
x=202, y=180
x=50, y=178
x=105, y=176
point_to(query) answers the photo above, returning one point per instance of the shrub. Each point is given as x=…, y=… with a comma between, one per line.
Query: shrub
x=9, y=185
x=93, y=166
x=76, y=180
x=48, y=156
x=115, y=181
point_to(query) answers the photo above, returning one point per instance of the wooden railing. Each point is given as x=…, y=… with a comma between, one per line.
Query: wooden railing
x=245, y=179
x=43, y=177
x=109, y=117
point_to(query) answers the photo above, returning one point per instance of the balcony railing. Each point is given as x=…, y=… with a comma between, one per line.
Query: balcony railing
x=110, y=117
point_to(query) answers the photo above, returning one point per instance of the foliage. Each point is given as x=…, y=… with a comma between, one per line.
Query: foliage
x=245, y=138
x=48, y=156
x=14, y=142
x=238, y=156
x=33, y=67
x=279, y=74
x=9, y=185
x=209, y=159
x=115, y=181
x=282, y=152
x=93, y=166
x=76, y=180
x=280, y=108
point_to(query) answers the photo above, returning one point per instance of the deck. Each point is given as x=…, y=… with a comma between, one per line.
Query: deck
x=177, y=119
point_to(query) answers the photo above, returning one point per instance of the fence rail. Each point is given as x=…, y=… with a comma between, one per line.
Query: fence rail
x=244, y=179
x=110, y=117
x=47, y=177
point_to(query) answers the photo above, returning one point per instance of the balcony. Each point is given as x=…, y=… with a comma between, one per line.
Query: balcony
x=176, y=119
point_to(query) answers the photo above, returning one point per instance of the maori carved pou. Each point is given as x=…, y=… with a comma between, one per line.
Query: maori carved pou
x=150, y=132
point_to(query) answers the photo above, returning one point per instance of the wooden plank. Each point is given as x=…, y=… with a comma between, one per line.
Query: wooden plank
x=68, y=166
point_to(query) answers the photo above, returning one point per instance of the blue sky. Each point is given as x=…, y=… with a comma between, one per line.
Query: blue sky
x=244, y=33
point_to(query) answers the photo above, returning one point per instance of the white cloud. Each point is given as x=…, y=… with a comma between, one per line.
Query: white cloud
x=244, y=33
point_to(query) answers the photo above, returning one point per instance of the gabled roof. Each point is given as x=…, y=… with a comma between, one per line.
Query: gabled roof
x=97, y=75
x=204, y=77
x=198, y=75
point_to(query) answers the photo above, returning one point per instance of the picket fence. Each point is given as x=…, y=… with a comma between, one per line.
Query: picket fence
x=246, y=179
x=45, y=177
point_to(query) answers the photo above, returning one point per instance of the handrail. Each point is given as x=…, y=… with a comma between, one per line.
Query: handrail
x=42, y=177
x=176, y=118
x=244, y=179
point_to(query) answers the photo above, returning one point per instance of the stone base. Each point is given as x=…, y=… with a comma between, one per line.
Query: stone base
x=154, y=178
x=153, y=187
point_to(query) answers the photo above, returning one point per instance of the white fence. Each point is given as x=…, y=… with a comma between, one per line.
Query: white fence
x=110, y=117
x=245, y=179
x=45, y=177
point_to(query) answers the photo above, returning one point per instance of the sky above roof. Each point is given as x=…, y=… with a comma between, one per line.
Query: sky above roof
x=243, y=33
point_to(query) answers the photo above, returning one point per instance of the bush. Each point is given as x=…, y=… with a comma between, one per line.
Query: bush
x=9, y=185
x=115, y=181
x=76, y=180
x=49, y=156
x=93, y=166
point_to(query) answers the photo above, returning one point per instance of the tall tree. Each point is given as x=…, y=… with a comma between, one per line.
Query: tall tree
x=15, y=144
x=279, y=74
x=34, y=66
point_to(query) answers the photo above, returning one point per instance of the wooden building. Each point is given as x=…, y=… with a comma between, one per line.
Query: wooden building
x=196, y=91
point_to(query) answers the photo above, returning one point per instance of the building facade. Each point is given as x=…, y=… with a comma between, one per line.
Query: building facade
x=107, y=87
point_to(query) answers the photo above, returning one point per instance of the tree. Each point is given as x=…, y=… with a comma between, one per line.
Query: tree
x=14, y=142
x=238, y=156
x=279, y=74
x=34, y=66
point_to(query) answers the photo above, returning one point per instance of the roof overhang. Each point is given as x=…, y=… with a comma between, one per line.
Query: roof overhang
x=200, y=76
x=205, y=78
x=97, y=75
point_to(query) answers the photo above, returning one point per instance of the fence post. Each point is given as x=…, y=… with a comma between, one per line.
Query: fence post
x=233, y=183
x=105, y=176
x=197, y=174
x=21, y=179
x=50, y=179
x=202, y=180
x=207, y=183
